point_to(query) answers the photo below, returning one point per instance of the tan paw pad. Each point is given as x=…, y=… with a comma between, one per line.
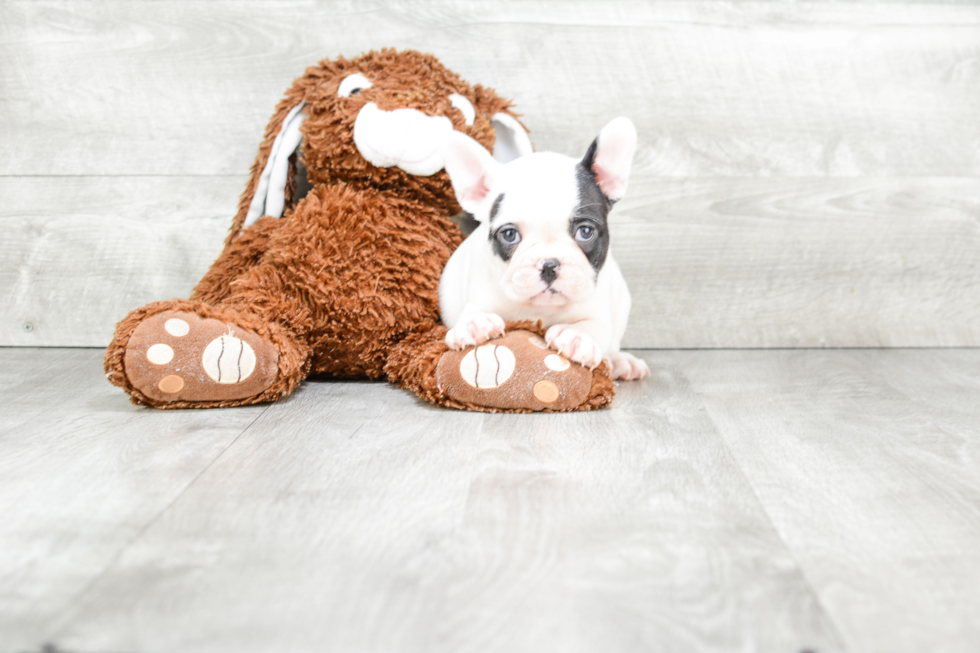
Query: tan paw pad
x=171, y=384
x=546, y=391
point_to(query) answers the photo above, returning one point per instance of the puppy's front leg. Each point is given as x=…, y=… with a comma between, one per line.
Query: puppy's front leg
x=581, y=342
x=474, y=327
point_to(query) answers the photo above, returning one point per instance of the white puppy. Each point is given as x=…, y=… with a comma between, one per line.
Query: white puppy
x=541, y=251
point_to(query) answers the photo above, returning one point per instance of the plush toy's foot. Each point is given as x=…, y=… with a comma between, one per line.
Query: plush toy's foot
x=178, y=356
x=516, y=371
x=190, y=354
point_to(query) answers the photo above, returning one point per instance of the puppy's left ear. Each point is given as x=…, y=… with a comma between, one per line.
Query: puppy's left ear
x=472, y=170
x=610, y=157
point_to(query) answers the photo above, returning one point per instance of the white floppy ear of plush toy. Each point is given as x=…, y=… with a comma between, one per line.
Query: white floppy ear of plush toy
x=270, y=195
x=511, y=141
x=473, y=171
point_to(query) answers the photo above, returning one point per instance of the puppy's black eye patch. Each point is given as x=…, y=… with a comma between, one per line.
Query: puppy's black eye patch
x=588, y=226
x=592, y=237
x=505, y=239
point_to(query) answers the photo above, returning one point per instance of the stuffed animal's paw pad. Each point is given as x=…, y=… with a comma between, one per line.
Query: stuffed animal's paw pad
x=228, y=359
x=180, y=356
x=487, y=366
x=514, y=371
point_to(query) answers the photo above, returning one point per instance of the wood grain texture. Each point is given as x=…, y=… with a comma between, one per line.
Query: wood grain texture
x=350, y=517
x=92, y=249
x=742, y=89
x=82, y=473
x=738, y=500
x=801, y=262
x=624, y=530
x=868, y=463
x=331, y=528
x=710, y=263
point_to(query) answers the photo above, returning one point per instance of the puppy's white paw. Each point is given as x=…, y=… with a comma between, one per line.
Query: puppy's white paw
x=627, y=366
x=474, y=330
x=574, y=345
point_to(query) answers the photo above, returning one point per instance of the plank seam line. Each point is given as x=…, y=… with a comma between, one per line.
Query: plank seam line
x=57, y=630
x=838, y=635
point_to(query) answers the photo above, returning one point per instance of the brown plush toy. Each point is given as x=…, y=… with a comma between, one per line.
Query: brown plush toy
x=333, y=261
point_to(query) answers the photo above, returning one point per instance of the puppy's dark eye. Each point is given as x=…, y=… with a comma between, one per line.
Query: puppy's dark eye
x=355, y=91
x=509, y=236
x=585, y=233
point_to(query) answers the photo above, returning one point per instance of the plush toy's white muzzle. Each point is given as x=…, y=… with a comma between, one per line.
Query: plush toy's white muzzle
x=406, y=138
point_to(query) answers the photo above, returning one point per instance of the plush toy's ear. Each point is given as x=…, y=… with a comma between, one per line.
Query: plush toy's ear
x=472, y=170
x=610, y=157
x=270, y=193
x=511, y=139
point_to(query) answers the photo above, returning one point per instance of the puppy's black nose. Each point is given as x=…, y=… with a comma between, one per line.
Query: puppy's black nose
x=549, y=270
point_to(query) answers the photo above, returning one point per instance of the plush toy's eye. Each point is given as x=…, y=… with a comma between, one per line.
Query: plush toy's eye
x=509, y=236
x=353, y=84
x=465, y=107
x=585, y=233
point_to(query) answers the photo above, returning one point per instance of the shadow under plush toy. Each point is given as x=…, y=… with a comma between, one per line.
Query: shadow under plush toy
x=333, y=261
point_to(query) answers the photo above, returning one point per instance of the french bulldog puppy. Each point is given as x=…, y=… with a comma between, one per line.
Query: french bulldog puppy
x=541, y=250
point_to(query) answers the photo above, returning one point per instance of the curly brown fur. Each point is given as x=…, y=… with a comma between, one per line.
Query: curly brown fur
x=238, y=257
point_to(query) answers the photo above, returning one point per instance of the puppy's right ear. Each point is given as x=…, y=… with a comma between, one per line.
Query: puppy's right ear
x=472, y=170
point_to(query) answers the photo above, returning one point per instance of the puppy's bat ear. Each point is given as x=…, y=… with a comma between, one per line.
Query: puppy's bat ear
x=610, y=157
x=472, y=170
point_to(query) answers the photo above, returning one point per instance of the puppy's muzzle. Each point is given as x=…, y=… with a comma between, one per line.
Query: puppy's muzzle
x=549, y=270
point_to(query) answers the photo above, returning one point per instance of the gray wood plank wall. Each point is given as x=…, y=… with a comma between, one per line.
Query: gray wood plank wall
x=808, y=173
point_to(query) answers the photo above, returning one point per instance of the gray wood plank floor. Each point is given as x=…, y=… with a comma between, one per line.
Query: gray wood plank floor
x=806, y=500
